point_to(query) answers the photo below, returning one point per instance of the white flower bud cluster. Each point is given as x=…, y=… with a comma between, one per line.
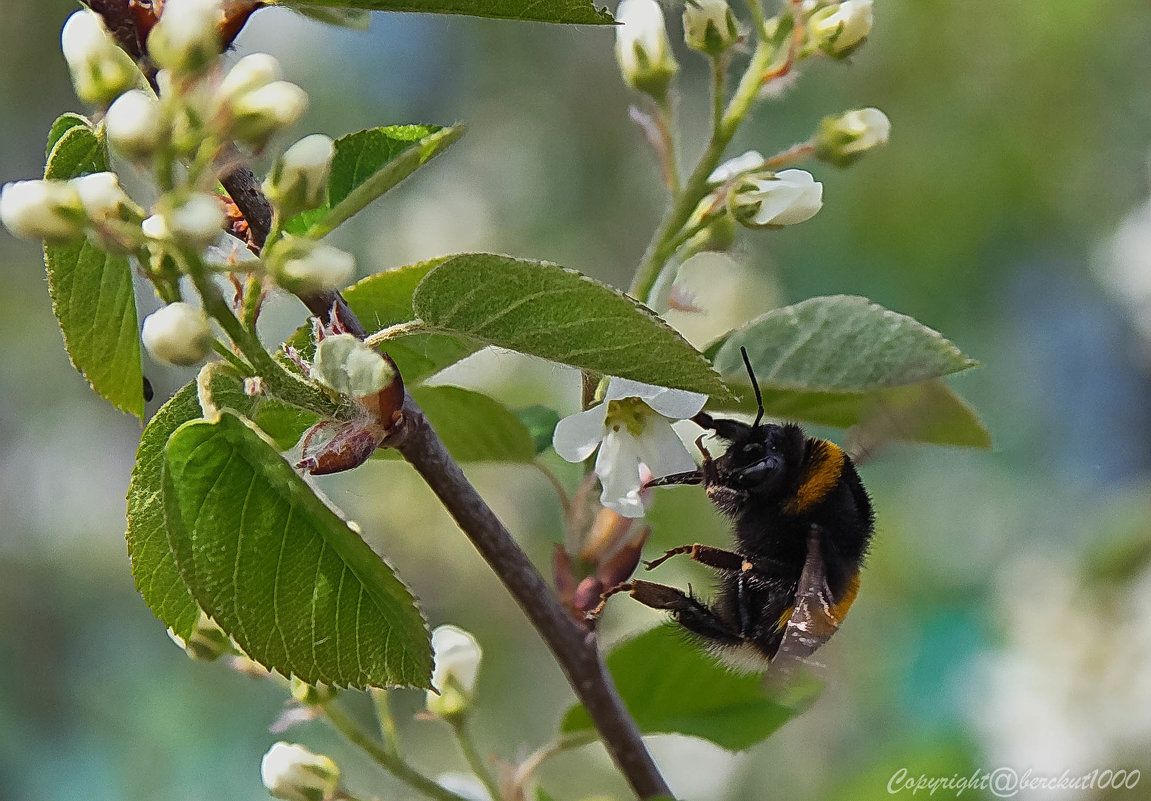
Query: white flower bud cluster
x=709, y=26
x=63, y=210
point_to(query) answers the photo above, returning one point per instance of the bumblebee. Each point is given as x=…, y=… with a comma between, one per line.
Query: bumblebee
x=802, y=525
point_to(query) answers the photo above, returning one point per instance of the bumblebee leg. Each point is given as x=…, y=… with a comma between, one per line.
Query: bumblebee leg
x=705, y=555
x=686, y=611
x=731, y=430
x=592, y=614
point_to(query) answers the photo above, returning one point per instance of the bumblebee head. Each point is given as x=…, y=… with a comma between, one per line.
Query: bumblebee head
x=766, y=461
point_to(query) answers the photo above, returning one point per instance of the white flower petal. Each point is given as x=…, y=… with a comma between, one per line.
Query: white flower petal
x=619, y=388
x=618, y=469
x=576, y=437
x=661, y=449
x=678, y=404
x=751, y=160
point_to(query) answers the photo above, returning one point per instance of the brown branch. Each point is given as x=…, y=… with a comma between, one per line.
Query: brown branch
x=574, y=647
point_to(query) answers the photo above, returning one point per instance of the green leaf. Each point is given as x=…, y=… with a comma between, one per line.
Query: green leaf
x=670, y=686
x=153, y=566
x=580, y=12
x=928, y=412
x=279, y=571
x=541, y=423
x=545, y=310
x=92, y=294
x=474, y=427
x=840, y=343
x=63, y=124
x=385, y=299
x=367, y=164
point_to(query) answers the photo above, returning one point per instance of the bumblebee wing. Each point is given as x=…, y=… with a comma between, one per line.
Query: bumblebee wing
x=817, y=614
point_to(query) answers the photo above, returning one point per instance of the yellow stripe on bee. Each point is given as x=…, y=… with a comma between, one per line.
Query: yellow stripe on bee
x=839, y=611
x=785, y=618
x=821, y=473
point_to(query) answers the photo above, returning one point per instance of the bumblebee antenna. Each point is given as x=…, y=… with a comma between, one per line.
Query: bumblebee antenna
x=754, y=385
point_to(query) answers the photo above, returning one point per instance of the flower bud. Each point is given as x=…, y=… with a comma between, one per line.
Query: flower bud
x=294, y=773
x=177, y=334
x=346, y=365
x=207, y=643
x=135, y=124
x=259, y=114
x=457, y=663
x=709, y=26
x=839, y=30
x=302, y=265
x=101, y=196
x=197, y=222
x=49, y=210
x=246, y=75
x=642, y=48
x=773, y=201
x=186, y=39
x=100, y=69
x=843, y=140
x=299, y=181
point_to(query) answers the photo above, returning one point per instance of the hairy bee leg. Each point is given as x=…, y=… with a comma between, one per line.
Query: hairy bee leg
x=705, y=555
x=686, y=611
x=593, y=614
x=710, y=474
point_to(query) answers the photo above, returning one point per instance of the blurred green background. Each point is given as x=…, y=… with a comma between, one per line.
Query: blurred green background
x=1005, y=617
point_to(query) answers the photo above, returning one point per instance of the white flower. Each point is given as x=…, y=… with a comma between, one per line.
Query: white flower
x=294, y=773
x=842, y=140
x=42, y=210
x=642, y=48
x=303, y=265
x=748, y=162
x=177, y=334
x=457, y=663
x=100, y=70
x=135, y=123
x=632, y=427
x=299, y=181
x=187, y=37
x=787, y=198
x=100, y=195
x=709, y=26
x=838, y=30
x=262, y=112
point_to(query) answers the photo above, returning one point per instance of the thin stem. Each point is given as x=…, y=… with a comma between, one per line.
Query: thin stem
x=718, y=80
x=472, y=757
x=755, y=8
x=561, y=493
x=382, y=700
x=343, y=723
x=526, y=769
x=396, y=331
x=790, y=156
x=665, y=121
